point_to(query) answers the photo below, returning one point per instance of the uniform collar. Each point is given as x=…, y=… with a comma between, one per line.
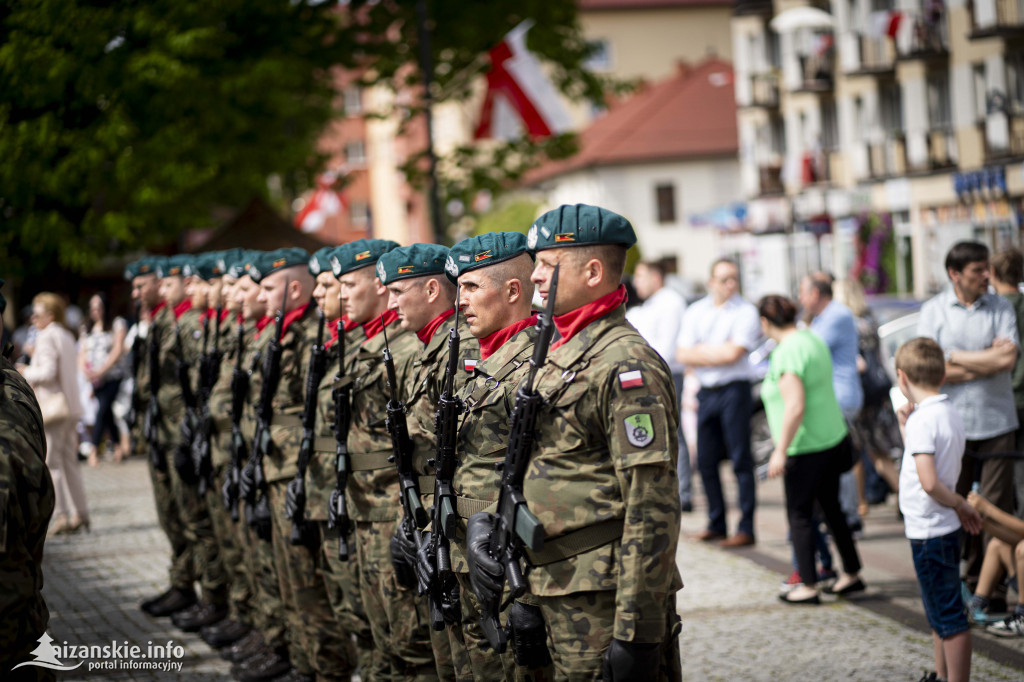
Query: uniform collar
x=431, y=327
x=496, y=340
x=571, y=323
x=373, y=326
x=182, y=307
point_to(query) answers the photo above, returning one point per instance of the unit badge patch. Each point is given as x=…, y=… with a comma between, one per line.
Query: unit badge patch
x=639, y=430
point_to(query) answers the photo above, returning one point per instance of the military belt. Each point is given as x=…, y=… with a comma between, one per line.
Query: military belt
x=467, y=506
x=577, y=542
x=222, y=423
x=286, y=420
x=327, y=445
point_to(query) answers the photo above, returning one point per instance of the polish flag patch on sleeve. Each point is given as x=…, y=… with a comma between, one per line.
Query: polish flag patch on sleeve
x=631, y=379
x=469, y=364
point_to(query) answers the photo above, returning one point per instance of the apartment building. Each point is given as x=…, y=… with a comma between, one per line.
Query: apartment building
x=898, y=119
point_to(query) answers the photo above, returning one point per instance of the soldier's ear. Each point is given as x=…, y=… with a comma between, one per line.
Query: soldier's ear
x=514, y=289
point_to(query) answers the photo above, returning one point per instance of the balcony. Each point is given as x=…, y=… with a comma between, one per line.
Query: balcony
x=764, y=90
x=876, y=56
x=771, y=179
x=888, y=159
x=929, y=40
x=942, y=149
x=1014, y=147
x=996, y=18
x=816, y=72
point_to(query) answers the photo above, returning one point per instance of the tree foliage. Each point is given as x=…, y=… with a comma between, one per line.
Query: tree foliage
x=122, y=124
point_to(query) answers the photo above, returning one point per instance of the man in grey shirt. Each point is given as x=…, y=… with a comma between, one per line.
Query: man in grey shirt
x=978, y=333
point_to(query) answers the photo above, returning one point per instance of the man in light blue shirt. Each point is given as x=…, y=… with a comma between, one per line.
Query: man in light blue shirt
x=978, y=334
x=717, y=335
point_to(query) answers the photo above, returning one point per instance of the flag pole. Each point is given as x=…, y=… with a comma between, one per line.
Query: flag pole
x=427, y=69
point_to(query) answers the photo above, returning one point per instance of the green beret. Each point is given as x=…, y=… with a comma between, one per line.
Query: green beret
x=320, y=261
x=205, y=266
x=579, y=225
x=359, y=254
x=3, y=301
x=173, y=266
x=143, y=266
x=411, y=261
x=271, y=261
x=239, y=263
x=227, y=259
x=479, y=252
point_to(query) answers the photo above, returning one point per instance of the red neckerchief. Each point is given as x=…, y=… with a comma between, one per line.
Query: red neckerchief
x=569, y=324
x=180, y=309
x=334, y=332
x=239, y=318
x=373, y=326
x=208, y=313
x=349, y=324
x=428, y=331
x=496, y=340
x=156, y=309
x=224, y=315
x=262, y=323
x=291, y=317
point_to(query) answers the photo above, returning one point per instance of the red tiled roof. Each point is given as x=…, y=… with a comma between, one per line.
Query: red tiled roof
x=692, y=114
x=598, y=5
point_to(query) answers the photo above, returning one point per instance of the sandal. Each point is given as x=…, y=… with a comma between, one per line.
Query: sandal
x=814, y=599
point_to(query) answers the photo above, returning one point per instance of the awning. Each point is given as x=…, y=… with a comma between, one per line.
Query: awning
x=802, y=17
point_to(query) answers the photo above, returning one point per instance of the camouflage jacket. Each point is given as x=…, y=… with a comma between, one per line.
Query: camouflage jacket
x=605, y=454
x=483, y=436
x=320, y=476
x=220, y=396
x=422, y=388
x=26, y=503
x=286, y=429
x=373, y=493
x=170, y=396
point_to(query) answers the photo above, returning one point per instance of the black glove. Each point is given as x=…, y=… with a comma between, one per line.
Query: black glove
x=247, y=482
x=403, y=558
x=529, y=635
x=485, y=573
x=295, y=499
x=426, y=563
x=631, y=662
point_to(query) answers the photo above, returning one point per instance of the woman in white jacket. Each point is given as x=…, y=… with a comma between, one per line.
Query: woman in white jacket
x=52, y=372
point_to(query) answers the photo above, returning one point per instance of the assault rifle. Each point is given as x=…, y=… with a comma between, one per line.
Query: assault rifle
x=209, y=372
x=414, y=516
x=444, y=587
x=239, y=452
x=254, y=480
x=337, y=512
x=295, y=496
x=151, y=425
x=515, y=526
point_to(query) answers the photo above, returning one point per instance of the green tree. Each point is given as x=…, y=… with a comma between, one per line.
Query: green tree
x=123, y=124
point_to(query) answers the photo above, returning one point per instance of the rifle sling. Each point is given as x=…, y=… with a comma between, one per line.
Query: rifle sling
x=577, y=542
x=286, y=419
x=488, y=385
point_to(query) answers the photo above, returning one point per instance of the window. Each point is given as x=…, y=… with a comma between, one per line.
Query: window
x=353, y=100
x=891, y=105
x=601, y=58
x=355, y=153
x=978, y=77
x=359, y=214
x=829, y=125
x=778, y=135
x=939, y=111
x=1015, y=82
x=666, y=198
x=859, y=122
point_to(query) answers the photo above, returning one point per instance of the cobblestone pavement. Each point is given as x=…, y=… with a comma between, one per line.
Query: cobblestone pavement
x=733, y=626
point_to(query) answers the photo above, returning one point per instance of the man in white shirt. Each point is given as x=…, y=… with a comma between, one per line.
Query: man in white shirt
x=658, y=320
x=717, y=334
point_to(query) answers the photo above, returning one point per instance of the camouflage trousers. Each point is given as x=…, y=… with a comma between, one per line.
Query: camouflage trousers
x=398, y=618
x=317, y=642
x=182, y=571
x=580, y=627
x=231, y=539
x=488, y=665
x=199, y=534
x=341, y=579
x=267, y=607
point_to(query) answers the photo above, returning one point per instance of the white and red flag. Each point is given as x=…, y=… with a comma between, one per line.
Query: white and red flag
x=520, y=97
x=324, y=203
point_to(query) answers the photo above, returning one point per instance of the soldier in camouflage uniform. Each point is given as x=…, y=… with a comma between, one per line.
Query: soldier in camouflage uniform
x=26, y=503
x=341, y=578
x=602, y=477
x=141, y=276
x=317, y=647
x=160, y=338
x=225, y=313
x=402, y=651
x=268, y=639
x=493, y=273
x=425, y=301
x=184, y=344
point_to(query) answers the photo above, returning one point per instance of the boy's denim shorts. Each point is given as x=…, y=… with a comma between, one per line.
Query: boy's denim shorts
x=937, y=562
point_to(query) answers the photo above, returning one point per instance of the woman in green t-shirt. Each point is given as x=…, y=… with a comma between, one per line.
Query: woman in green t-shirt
x=809, y=433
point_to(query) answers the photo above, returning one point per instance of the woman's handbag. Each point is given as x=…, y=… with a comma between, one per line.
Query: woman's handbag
x=54, y=407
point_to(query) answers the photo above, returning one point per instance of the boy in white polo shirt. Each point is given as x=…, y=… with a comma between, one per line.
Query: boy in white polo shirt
x=933, y=437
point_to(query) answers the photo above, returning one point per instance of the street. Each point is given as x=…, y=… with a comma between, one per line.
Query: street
x=734, y=628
